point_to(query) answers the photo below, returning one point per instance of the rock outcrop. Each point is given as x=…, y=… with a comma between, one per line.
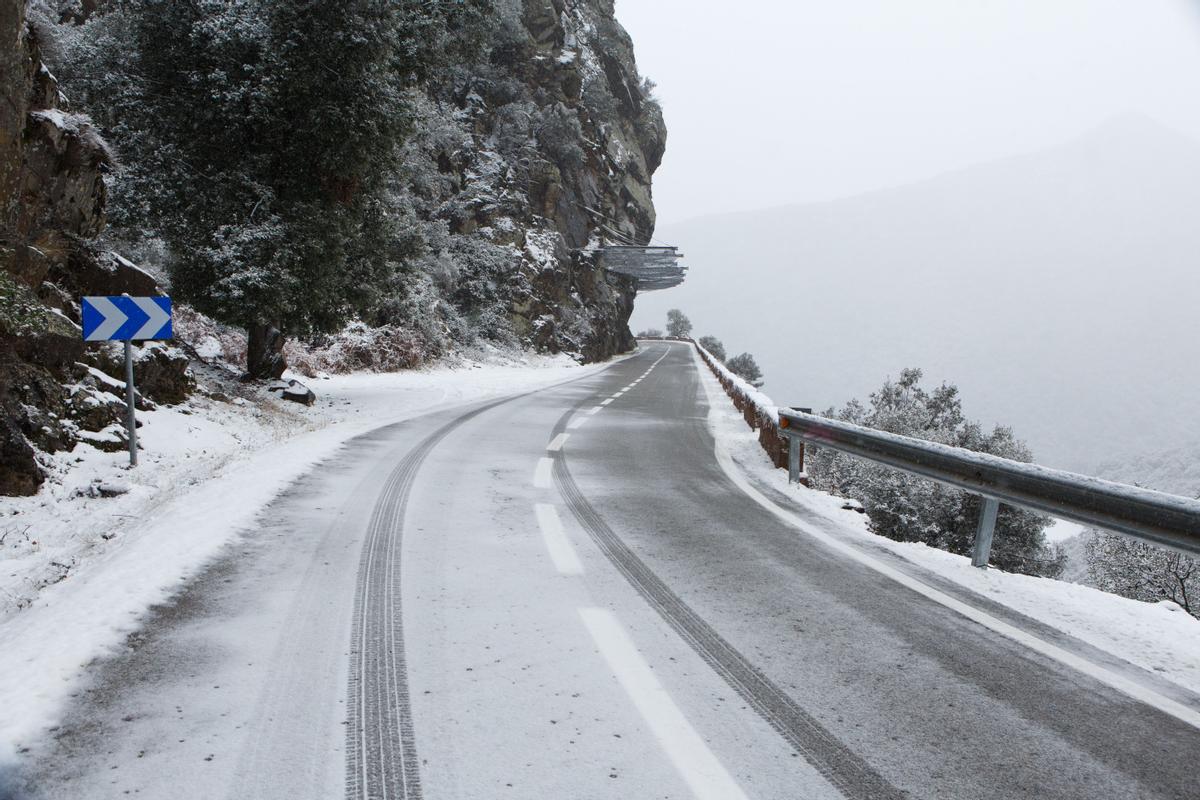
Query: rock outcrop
x=541, y=155
x=518, y=168
x=53, y=390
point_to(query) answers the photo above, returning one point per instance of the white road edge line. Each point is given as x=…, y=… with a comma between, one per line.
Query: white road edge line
x=541, y=474
x=1065, y=657
x=559, y=546
x=557, y=442
x=687, y=751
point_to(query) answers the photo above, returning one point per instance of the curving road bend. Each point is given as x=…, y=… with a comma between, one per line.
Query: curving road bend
x=564, y=595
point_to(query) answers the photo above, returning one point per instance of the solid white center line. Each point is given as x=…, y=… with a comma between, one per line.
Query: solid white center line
x=557, y=442
x=687, y=751
x=541, y=475
x=561, y=552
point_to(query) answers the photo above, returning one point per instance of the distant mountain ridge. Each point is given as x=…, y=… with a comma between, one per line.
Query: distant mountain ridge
x=1058, y=289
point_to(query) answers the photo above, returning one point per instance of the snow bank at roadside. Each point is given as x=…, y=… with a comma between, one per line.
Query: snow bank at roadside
x=1160, y=637
x=78, y=570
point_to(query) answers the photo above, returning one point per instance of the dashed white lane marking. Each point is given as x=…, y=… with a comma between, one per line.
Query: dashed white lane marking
x=1065, y=657
x=557, y=442
x=561, y=552
x=688, y=753
x=578, y=422
x=605, y=402
x=541, y=475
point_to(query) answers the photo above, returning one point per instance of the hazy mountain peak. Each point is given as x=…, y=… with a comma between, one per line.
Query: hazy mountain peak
x=1057, y=288
x=1137, y=128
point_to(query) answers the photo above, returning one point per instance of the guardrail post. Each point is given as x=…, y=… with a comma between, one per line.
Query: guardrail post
x=795, y=458
x=983, y=536
x=796, y=452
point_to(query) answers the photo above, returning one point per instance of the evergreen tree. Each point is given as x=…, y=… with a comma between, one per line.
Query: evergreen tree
x=338, y=120
x=261, y=137
x=204, y=165
x=910, y=509
x=713, y=345
x=744, y=366
x=678, y=324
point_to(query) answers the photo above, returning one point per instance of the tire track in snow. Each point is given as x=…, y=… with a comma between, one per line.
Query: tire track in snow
x=381, y=752
x=841, y=766
x=381, y=748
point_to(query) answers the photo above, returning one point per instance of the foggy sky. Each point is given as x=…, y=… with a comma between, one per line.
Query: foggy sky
x=770, y=102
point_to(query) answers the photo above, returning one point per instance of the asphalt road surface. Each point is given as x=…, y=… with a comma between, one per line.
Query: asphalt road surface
x=564, y=595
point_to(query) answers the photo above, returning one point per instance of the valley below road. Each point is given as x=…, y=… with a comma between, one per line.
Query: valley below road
x=565, y=594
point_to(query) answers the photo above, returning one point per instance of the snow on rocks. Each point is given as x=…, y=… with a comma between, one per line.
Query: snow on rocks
x=103, y=488
x=293, y=390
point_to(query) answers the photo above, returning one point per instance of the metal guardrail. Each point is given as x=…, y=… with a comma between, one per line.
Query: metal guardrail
x=1161, y=519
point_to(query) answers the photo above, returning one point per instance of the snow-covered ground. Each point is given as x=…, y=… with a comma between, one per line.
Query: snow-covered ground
x=1160, y=637
x=79, y=569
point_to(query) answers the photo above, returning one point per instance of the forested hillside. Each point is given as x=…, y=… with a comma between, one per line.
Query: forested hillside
x=433, y=175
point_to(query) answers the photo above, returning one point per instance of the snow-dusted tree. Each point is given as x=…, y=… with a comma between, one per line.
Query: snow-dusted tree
x=678, y=324
x=258, y=138
x=336, y=121
x=713, y=345
x=198, y=127
x=652, y=333
x=911, y=509
x=744, y=366
x=1141, y=571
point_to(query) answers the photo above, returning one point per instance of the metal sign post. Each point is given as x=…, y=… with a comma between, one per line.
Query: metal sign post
x=130, y=402
x=127, y=319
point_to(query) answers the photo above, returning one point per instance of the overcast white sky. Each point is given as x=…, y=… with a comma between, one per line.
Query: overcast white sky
x=770, y=102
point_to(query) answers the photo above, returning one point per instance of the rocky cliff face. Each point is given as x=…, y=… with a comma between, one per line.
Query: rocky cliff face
x=52, y=193
x=539, y=155
x=518, y=167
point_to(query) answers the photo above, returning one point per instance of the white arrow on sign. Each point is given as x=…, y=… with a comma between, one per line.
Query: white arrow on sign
x=114, y=318
x=117, y=315
x=157, y=317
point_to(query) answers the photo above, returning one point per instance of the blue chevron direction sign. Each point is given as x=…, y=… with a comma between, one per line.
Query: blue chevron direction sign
x=126, y=318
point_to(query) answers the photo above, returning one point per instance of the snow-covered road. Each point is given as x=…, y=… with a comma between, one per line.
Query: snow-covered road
x=565, y=594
